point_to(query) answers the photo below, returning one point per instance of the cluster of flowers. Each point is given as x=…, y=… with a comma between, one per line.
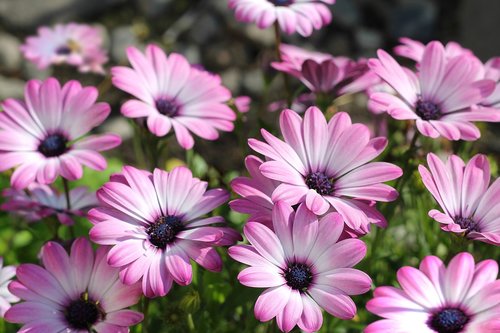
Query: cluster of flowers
x=309, y=200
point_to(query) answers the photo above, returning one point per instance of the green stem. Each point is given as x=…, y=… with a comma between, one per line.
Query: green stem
x=144, y=309
x=277, y=35
x=66, y=193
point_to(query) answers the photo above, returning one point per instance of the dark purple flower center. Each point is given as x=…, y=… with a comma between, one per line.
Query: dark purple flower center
x=53, y=145
x=427, y=110
x=83, y=313
x=298, y=276
x=281, y=2
x=167, y=107
x=466, y=223
x=63, y=50
x=164, y=230
x=320, y=182
x=450, y=320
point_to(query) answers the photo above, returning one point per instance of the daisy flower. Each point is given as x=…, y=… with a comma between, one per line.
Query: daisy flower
x=470, y=207
x=323, y=73
x=172, y=93
x=78, y=45
x=44, y=136
x=73, y=293
x=442, y=98
x=6, y=297
x=415, y=50
x=41, y=201
x=326, y=165
x=303, y=266
x=302, y=16
x=461, y=298
x=156, y=225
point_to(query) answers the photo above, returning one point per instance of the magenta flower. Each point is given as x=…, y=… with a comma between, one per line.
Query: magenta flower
x=43, y=136
x=415, y=50
x=6, y=297
x=304, y=267
x=460, y=298
x=73, y=293
x=302, y=16
x=323, y=73
x=172, y=93
x=41, y=201
x=469, y=207
x=156, y=224
x=442, y=98
x=74, y=44
x=327, y=166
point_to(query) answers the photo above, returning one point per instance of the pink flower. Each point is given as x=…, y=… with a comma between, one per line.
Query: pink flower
x=75, y=44
x=460, y=298
x=303, y=266
x=327, y=166
x=6, y=297
x=43, y=136
x=302, y=16
x=442, y=98
x=73, y=293
x=156, y=224
x=242, y=103
x=415, y=50
x=323, y=73
x=172, y=93
x=41, y=201
x=469, y=207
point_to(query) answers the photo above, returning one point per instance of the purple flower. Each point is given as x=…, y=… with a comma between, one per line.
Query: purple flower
x=6, y=297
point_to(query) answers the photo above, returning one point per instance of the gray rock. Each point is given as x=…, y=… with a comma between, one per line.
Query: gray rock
x=10, y=55
x=28, y=14
x=414, y=18
x=205, y=28
x=154, y=8
x=120, y=126
x=253, y=81
x=369, y=40
x=121, y=37
x=11, y=88
x=346, y=13
x=31, y=71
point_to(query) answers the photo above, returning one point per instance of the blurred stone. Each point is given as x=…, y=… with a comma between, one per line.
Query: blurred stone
x=10, y=55
x=28, y=14
x=154, y=8
x=231, y=78
x=205, y=29
x=263, y=37
x=11, y=88
x=369, y=40
x=346, y=13
x=413, y=18
x=121, y=37
x=253, y=81
x=31, y=71
x=120, y=126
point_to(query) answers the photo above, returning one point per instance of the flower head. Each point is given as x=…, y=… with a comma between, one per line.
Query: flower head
x=156, y=225
x=323, y=73
x=461, y=298
x=303, y=266
x=172, y=93
x=75, y=44
x=41, y=201
x=302, y=16
x=327, y=166
x=79, y=292
x=6, y=297
x=415, y=50
x=44, y=136
x=441, y=98
x=469, y=207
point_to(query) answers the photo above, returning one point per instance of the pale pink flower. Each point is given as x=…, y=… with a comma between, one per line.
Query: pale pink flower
x=45, y=135
x=157, y=224
x=172, y=93
x=303, y=266
x=6, y=297
x=302, y=16
x=461, y=298
x=327, y=166
x=40, y=201
x=75, y=44
x=323, y=73
x=442, y=98
x=79, y=292
x=242, y=103
x=470, y=207
x=414, y=50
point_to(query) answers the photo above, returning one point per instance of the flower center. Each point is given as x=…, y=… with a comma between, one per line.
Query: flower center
x=53, y=145
x=167, y=107
x=281, y=2
x=320, y=182
x=427, y=110
x=63, y=50
x=466, y=223
x=70, y=47
x=298, y=276
x=163, y=231
x=83, y=313
x=449, y=320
